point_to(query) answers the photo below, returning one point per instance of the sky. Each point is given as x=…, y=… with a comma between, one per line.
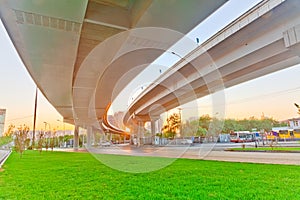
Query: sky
x=18, y=91
x=272, y=95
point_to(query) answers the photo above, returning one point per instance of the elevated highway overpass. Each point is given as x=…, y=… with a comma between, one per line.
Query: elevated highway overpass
x=262, y=41
x=75, y=50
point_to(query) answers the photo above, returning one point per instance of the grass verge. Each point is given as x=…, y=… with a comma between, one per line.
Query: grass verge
x=5, y=140
x=277, y=149
x=62, y=175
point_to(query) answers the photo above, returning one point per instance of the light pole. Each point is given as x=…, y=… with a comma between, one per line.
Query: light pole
x=179, y=56
x=63, y=126
x=34, y=117
x=45, y=126
x=47, y=138
x=46, y=123
x=180, y=122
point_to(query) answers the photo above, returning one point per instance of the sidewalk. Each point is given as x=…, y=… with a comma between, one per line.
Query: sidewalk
x=197, y=152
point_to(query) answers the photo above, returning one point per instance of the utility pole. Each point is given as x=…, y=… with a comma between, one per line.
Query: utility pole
x=34, y=118
x=180, y=122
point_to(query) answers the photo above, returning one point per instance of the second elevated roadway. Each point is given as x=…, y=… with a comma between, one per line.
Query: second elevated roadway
x=263, y=40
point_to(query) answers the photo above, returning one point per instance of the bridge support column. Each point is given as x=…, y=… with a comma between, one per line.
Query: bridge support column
x=102, y=137
x=140, y=134
x=110, y=137
x=153, y=131
x=89, y=136
x=154, y=119
x=94, y=136
x=76, y=137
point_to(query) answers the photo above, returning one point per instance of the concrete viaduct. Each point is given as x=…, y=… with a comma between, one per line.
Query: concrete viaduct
x=263, y=40
x=76, y=50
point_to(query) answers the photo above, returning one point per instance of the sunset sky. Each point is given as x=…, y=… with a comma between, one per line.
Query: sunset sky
x=273, y=95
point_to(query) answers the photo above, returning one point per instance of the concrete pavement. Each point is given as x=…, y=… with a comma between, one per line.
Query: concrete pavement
x=214, y=151
x=255, y=157
x=204, y=152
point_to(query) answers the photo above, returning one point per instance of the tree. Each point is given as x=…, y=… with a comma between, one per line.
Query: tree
x=216, y=126
x=41, y=139
x=231, y=125
x=10, y=130
x=201, y=132
x=20, y=138
x=251, y=123
x=279, y=124
x=190, y=128
x=204, y=121
x=172, y=126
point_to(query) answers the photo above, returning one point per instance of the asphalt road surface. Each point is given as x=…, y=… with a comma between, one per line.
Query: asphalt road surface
x=206, y=152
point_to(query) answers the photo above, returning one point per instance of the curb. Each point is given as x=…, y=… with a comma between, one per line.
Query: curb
x=264, y=151
x=4, y=158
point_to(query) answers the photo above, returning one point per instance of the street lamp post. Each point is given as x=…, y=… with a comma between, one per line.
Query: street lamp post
x=34, y=117
x=63, y=126
x=180, y=122
x=46, y=123
x=45, y=126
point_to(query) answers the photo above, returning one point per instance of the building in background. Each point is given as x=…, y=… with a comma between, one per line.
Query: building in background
x=294, y=123
x=2, y=121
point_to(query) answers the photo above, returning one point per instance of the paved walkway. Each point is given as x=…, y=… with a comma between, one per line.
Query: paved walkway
x=205, y=152
x=2, y=153
x=256, y=157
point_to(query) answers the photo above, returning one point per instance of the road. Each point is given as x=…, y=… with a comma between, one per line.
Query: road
x=214, y=151
x=255, y=157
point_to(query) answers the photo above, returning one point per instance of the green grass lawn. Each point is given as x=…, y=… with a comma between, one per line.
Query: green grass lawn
x=4, y=140
x=62, y=175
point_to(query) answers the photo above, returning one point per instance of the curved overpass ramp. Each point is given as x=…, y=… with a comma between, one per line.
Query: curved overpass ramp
x=262, y=41
x=68, y=46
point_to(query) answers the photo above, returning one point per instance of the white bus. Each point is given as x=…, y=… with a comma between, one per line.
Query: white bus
x=241, y=136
